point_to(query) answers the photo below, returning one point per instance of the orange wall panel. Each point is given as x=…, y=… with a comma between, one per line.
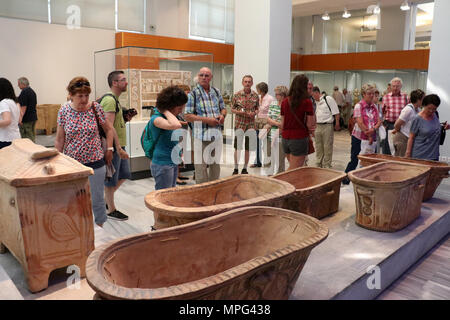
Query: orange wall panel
x=224, y=53
x=411, y=59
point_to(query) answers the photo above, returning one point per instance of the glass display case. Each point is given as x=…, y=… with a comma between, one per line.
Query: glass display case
x=148, y=71
x=354, y=79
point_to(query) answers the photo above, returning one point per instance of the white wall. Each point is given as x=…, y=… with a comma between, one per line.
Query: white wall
x=49, y=55
x=170, y=18
x=439, y=68
x=302, y=35
x=392, y=33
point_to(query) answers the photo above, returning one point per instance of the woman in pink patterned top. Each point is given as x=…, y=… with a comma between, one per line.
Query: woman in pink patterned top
x=77, y=136
x=265, y=100
x=364, y=132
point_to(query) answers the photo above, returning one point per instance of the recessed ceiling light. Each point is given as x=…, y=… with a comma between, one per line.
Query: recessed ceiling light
x=325, y=16
x=376, y=10
x=405, y=6
x=346, y=14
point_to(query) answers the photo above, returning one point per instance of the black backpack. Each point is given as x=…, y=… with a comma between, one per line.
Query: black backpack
x=126, y=113
x=110, y=95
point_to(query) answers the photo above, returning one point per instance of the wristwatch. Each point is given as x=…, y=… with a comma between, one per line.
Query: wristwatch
x=110, y=149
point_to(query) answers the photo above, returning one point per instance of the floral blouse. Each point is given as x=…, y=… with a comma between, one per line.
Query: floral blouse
x=82, y=139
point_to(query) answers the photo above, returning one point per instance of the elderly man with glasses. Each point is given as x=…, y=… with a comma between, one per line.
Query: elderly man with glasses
x=206, y=110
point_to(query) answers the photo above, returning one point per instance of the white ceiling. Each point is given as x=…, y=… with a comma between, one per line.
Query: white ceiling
x=313, y=7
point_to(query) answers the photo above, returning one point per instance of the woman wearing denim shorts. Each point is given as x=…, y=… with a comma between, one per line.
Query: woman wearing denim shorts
x=297, y=121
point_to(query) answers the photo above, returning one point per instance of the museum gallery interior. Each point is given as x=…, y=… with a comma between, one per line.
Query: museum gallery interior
x=246, y=150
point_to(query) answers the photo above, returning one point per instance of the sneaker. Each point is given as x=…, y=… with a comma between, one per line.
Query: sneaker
x=117, y=215
x=236, y=171
x=244, y=171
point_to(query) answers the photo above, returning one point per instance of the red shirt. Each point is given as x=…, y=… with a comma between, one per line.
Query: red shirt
x=292, y=128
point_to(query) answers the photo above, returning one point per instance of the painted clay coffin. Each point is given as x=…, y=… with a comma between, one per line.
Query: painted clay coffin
x=388, y=195
x=317, y=190
x=439, y=170
x=246, y=253
x=45, y=214
x=179, y=205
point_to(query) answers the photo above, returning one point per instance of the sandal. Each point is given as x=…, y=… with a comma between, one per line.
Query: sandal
x=181, y=182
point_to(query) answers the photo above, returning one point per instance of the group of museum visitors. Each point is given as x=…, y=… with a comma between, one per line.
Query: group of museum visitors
x=292, y=124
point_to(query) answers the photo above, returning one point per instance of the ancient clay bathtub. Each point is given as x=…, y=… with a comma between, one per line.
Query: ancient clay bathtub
x=439, y=170
x=246, y=253
x=317, y=190
x=388, y=195
x=175, y=206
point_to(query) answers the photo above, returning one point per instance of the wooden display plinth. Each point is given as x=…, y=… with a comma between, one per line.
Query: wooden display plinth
x=47, y=115
x=45, y=210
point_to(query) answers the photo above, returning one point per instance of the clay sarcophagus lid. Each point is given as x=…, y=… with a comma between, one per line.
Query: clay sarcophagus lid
x=317, y=190
x=388, y=195
x=45, y=215
x=246, y=253
x=179, y=205
x=439, y=170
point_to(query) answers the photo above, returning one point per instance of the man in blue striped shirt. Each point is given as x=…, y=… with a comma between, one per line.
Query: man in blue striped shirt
x=206, y=110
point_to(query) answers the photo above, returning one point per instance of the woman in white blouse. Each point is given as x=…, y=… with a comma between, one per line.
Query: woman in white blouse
x=9, y=114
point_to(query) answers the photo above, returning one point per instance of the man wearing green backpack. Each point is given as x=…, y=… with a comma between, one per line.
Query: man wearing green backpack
x=113, y=111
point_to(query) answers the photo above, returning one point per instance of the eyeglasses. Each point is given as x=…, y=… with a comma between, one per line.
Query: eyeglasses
x=204, y=75
x=79, y=84
x=123, y=79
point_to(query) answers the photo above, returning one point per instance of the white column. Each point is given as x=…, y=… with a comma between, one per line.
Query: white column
x=409, y=41
x=262, y=45
x=439, y=69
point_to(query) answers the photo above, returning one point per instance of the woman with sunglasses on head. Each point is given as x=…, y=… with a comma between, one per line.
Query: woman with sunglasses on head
x=77, y=136
x=9, y=114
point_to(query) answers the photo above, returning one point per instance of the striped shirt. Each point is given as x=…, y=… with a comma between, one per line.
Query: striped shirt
x=393, y=105
x=204, y=104
x=274, y=114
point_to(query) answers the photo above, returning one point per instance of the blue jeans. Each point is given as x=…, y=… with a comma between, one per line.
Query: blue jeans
x=356, y=149
x=165, y=175
x=98, y=195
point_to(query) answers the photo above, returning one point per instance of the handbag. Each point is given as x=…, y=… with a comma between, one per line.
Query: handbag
x=351, y=124
x=443, y=133
x=110, y=170
x=311, y=148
